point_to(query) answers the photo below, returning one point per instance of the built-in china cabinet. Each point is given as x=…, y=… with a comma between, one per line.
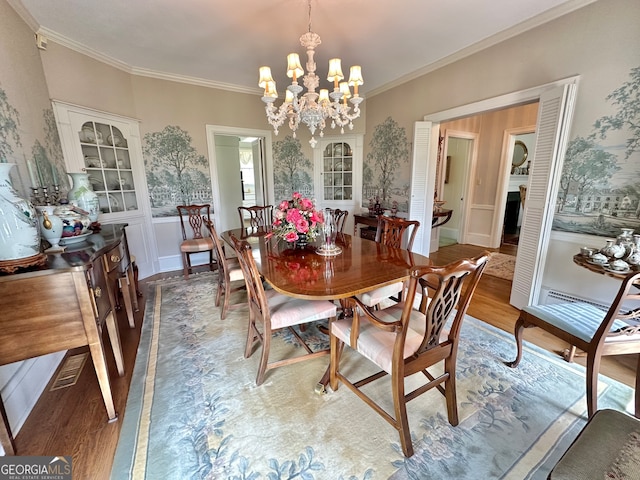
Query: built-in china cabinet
x=108, y=148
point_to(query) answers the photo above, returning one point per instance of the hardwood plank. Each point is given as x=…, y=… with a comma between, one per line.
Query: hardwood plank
x=73, y=420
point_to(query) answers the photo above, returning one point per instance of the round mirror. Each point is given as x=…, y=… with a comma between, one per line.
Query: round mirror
x=520, y=153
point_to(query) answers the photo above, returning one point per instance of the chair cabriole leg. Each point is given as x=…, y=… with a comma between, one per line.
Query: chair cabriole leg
x=518, y=334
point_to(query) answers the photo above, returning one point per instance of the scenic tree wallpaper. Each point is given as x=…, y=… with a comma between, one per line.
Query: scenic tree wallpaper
x=599, y=191
x=381, y=171
x=176, y=173
x=292, y=170
x=45, y=156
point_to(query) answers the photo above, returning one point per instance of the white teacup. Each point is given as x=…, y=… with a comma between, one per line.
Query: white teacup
x=619, y=265
x=599, y=258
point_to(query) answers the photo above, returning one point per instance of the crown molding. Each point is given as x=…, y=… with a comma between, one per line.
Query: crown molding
x=83, y=49
x=201, y=82
x=142, y=72
x=530, y=24
x=534, y=22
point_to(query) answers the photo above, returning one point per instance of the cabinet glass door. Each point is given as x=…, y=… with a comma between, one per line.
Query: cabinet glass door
x=337, y=171
x=106, y=159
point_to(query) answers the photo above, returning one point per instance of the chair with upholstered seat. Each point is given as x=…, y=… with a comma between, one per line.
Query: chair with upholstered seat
x=402, y=340
x=391, y=232
x=608, y=447
x=256, y=216
x=230, y=277
x=596, y=332
x=270, y=311
x=193, y=240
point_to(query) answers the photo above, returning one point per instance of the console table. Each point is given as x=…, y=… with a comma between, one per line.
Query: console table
x=60, y=306
x=440, y=217
x=364, y=220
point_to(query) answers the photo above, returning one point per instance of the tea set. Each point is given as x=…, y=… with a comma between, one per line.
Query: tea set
x=620, y=255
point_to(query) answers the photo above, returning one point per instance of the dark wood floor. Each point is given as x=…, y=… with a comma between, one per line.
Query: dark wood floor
x=73, y=421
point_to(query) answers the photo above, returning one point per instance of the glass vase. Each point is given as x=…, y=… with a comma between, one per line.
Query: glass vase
x=83, y=196
x=329, y=230
x=19, y=236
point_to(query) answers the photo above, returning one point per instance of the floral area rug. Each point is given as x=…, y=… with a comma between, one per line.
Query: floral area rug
x=194, y=411
x=501, y=265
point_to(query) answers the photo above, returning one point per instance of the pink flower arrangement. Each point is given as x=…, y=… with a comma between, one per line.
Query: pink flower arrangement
x=294, y=217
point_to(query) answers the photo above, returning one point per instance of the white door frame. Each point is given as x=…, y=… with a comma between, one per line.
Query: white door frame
x=212, y=131
x=432, y=122
x=470, y=168
x=508, y=141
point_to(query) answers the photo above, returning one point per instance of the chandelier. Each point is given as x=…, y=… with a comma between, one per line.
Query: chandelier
x=312, y=108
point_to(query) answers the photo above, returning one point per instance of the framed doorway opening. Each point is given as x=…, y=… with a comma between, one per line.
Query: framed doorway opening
x=556, y=107
x=228, y=147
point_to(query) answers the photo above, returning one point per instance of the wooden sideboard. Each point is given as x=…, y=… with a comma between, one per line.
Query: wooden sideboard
x=60, y=306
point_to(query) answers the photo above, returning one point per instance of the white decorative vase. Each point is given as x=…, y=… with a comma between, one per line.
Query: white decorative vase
x=50, y=226
x=19, y=236
x=82, y=195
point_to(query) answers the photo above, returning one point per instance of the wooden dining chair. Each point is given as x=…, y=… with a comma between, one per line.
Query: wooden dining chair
x=340, y=218
x=230, y=277
x=391, y=232
x=402, y=340
x=270, y=311
x=592, y=330
x=193, y=241
x=256, y=216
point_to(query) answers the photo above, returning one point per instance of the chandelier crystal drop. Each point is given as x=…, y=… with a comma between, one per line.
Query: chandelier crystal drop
x=312, y=108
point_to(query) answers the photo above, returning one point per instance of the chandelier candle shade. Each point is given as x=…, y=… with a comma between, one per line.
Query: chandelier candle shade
x=312, y=108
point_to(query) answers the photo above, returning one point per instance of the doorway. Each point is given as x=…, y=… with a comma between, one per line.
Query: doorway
x=517, y=158
x=459, y=151
x=241, y=171
x=556, y=106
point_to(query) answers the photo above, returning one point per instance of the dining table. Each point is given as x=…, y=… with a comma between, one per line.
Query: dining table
x=361, y=266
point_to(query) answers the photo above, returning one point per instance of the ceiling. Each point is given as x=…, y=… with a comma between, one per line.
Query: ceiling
x=223, y=42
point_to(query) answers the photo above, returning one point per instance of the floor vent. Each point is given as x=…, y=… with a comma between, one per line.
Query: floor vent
x=554, y=296
x=70, y=371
